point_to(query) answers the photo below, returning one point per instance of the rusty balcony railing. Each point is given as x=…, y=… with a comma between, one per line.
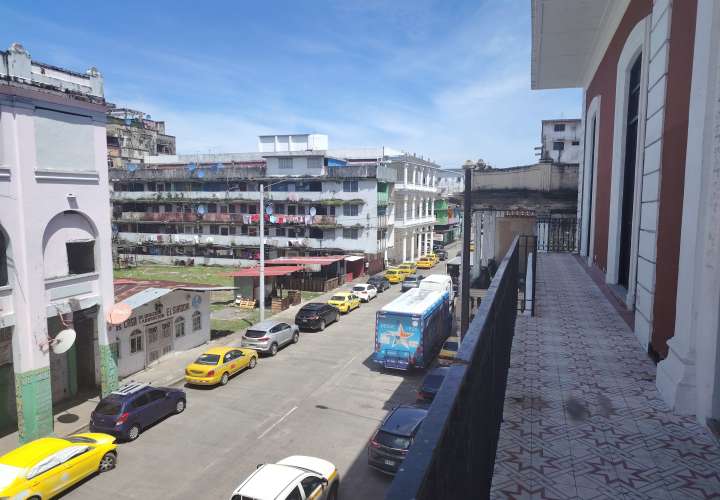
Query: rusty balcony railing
x=453, y=454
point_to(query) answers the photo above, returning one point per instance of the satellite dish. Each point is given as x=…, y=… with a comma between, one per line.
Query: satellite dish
x=132, y=167
x=269, y=210
x=63, y=341
x=313, y=212
x=191, y=167
x=201, y=173
x=118, y=313
x=201, y=209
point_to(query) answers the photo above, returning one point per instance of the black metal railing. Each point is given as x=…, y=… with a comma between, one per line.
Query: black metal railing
x=453, y=454
x=557, y=234
x=527, y=246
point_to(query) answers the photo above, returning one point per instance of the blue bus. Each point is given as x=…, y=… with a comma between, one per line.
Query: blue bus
x=410, y=330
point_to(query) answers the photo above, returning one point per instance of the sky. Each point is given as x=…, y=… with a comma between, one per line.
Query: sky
x=448, y=80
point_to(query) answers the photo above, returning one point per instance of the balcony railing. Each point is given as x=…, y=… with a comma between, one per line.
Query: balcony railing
x=202, y=173
x=323, y=220
x=380, y=172
x=453, y=454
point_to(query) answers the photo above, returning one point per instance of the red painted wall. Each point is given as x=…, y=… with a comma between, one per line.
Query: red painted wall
x=672, y=172
x=603, y=84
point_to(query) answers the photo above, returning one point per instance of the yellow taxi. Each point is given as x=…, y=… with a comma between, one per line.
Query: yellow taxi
x=46, y=467
x=407, y=268
x=394, y=275
x=344, y=301
x=425, y=263
x=449, y=351
x=216, y=365
x=434, y=257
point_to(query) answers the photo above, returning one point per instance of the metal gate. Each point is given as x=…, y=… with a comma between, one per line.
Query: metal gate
x=557, y=234
x=159, y=340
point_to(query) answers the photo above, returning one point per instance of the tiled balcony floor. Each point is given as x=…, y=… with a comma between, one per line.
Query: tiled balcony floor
x=582, y=416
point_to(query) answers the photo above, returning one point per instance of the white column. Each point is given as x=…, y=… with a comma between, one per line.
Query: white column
x=406, y=174
x=412, y=247
x=404, y=250
x=420, y=248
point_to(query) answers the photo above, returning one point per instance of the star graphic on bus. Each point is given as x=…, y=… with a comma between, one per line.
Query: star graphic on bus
x=400, y=337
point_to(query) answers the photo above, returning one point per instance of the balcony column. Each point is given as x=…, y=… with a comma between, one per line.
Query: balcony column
x=487, y=236
x=420, y=244
x=404, y=250
x=412, y=246
x=405, y=169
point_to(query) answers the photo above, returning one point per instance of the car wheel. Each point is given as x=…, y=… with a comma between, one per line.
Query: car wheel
x=107, y=462
x=296, y=338
x=253, y=362
x=322, y=325
x=273, y=349
x=133, y=433
x=224, y=379
x=180, y=406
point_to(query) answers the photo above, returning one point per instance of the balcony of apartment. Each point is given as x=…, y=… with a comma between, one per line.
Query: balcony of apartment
x=413, y=222
x=422, y=188
x=318, y=197
x=201, y=173
x=380, y=172
x=566, y=409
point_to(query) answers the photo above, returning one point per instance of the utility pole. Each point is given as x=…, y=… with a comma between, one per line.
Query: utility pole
x=467, y=227
x=262, y=253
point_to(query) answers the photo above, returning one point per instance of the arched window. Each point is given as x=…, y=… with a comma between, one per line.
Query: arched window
x=136, y=341
x=180, y=327
x=197, y=321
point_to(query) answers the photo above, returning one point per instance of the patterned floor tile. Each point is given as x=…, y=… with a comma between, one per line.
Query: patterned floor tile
x=583, y=418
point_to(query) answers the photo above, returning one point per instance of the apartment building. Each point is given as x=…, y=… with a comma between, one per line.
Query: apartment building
x=55, y=256
x=132, y=135
x=561, y=141
x=204, y=209
x=450, y=181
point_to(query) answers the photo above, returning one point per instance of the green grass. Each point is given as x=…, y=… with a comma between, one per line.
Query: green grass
x=206, y=275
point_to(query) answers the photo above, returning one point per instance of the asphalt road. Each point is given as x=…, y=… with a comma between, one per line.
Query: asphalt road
x=321, y=397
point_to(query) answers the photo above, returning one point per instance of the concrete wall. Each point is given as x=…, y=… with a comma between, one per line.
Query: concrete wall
x=571, y=153
x=541, y=177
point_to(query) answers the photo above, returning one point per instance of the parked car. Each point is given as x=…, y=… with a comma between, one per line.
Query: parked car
x=442, y=254
x=392, y=440
x=366, y=292
x=316, y=315
x=344, y=301
x=425, y=263
x=431, y=384
x=433, y=256
x=449, y=351
x=394, y=275
x=124, y=413
x=270, y=335
x=411, y=281
x=380, y=282
x=293, y=478
x=438, y=246
x=407, y=267
x=217, y=364
x=48, y=466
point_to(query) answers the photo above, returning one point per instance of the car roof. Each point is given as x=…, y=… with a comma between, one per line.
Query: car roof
x=219, y=350
x=266, y=325
x=362, y=285
x=268, y=481
x=404, y=420
x=344, y=292
x=29, y=454
x=313, y=305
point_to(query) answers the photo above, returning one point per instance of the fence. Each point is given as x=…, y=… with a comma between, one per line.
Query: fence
x=453, y=455
x=557, y=234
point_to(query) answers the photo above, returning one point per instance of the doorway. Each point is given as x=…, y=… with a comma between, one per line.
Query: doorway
x=629, y=165
x=159, y=340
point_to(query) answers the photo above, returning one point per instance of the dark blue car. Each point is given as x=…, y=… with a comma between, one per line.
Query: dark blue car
x=126, y=412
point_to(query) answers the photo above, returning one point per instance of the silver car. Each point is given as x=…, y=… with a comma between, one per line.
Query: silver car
x=269, y=336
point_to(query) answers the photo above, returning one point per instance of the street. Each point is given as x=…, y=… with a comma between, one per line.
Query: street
x=321, y=397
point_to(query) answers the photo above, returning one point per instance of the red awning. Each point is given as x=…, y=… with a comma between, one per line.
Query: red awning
x=254, y=272
x=299, y=261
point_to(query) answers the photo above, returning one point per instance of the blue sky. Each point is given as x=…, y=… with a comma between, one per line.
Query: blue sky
x=447, y=80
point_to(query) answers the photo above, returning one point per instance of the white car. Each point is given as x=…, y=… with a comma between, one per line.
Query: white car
x=293, y=478
x=366, y=292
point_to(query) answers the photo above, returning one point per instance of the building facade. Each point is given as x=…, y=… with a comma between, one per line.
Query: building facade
x=649, y=183
x=55, y=257
x=450, y=181
x=132, y=135
x=447, y=221
x=561, y=141
x=204, y=209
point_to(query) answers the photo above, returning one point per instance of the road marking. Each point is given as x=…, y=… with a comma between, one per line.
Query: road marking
x=278, y=422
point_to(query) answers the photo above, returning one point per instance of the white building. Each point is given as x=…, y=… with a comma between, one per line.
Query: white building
x=561, y=141
x=166, y=317
x=55, y=255
x=205, y=208
x=450, y=181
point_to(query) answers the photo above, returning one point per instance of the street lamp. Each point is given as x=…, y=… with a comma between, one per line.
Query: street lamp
x=262, y=247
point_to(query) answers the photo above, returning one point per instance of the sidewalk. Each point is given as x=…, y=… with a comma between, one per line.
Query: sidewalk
x=168, y=371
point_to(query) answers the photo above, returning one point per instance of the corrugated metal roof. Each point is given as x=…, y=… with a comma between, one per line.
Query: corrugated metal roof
x=253, y=272
x=299, y=261
x=145, y=296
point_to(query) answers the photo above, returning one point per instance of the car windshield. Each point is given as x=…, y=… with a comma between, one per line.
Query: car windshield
x=254, y=334
x=433, y=381
x=359, y=288
x=412, y=278
x=208, y=359
x=393, y=440
x=80, y=439
x=340, y=298
x=108, y=407
x=450, y=345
